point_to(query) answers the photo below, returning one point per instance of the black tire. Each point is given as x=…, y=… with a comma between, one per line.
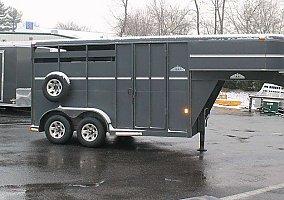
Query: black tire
x=55, y=87
x=58, y=129
x=91, y=133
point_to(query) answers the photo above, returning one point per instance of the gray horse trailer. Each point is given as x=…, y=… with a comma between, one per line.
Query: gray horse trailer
x=15, y=75
x=150, y=86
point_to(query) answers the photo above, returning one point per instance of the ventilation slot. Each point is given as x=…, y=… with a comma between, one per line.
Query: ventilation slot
x=45, y=60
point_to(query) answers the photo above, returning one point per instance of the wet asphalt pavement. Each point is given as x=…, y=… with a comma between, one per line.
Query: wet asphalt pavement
x=245, y=153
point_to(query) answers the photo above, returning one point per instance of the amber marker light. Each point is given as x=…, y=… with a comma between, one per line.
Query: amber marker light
x=261, y=38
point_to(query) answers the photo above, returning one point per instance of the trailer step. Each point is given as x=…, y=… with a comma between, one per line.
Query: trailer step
x=128, y=133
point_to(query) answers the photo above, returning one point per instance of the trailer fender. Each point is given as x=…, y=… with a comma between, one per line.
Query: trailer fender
x=49, y=114
x=56, y=86
x=74, y=114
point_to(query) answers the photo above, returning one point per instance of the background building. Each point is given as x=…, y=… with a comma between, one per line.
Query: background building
x=30, y=31
x=30, y=36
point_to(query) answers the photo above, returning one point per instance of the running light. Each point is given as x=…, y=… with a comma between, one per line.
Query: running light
x=32, y=129
x=186, y=111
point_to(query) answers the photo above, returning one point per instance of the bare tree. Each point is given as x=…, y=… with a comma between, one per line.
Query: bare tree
x=121, y=20
x=71, y=26
x=211, y=16
x=124, y=22
x=170, y=20
x=159, y=18
x=157, y=10
x=197, y=17
x=139, y=23
x=222, y=16
x=219, y=15
x=282, y=23
x=257, y=16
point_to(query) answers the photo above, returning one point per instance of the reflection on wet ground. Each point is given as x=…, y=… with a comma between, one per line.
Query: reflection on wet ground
x=126, y=167
x=244, y=153
x=14, y=116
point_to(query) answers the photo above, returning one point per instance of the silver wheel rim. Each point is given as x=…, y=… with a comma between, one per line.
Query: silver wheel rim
x=57, y=129
x=89, y=132
x=54, y=87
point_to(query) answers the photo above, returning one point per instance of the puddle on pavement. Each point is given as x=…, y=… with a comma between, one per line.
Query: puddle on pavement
x=12, y=193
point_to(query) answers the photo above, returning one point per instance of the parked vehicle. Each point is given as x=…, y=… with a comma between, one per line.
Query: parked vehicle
x=270, y=99
x=158, y=86
x=271, y=90
x=15, y=74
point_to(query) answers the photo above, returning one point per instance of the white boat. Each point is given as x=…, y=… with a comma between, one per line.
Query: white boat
x=271, y=91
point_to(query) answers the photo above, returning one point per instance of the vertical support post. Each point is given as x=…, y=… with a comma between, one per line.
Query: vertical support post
x=202, y=124
x=202, y=141
x=150, y=86
x=250, y=103
x=133, y=47
x=87, y=75
x=167, y=77
x=261, y=105
x=58, y=57
x=115, y=85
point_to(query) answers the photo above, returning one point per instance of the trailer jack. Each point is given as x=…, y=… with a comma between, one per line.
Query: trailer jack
x=203, y=123
x=202, y=142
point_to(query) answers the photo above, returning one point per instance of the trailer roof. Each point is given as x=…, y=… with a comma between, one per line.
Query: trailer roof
x=16, y=44
x=155, y=39
x=36, y=33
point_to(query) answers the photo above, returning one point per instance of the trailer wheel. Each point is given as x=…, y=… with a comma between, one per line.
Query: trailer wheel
x=58, y=129
x=90, y=132
x=56, y=86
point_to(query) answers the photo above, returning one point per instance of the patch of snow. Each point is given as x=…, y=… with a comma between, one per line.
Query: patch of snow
x=60, y=74
x=242, y=96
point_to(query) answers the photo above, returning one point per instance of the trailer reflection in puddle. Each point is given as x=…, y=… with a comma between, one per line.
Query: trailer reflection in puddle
x=123, y=164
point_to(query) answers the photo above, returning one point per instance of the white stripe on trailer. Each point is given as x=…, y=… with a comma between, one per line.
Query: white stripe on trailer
x=119, y=78
x=39, y=78
x=77, y=78
x=178, y=78
x=157, y=78
x=101, y=78
x=128, y=133
x=123, y=78
x=274, y=56
x=71, y=78
x=236, y=56
x=142, y=78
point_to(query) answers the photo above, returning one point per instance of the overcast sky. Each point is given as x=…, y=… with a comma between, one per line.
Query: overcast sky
x=95, y=14
x=92, y=13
